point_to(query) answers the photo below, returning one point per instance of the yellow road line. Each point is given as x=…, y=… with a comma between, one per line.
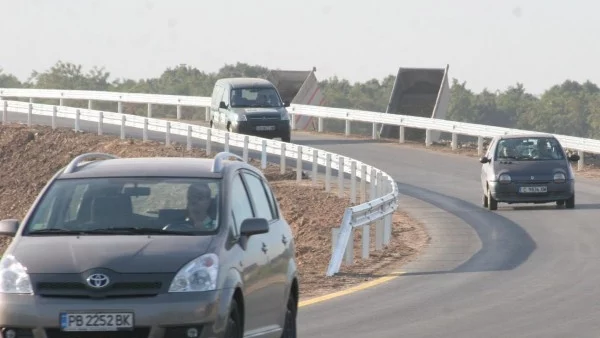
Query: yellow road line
x=350, y=290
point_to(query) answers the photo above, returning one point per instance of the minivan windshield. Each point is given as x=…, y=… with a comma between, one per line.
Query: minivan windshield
x=529, y=149
x=255, y=97
x=127, y=205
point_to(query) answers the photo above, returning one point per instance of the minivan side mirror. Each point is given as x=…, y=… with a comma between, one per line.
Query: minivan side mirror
x=286, y=103
x=222, y=105
x=254, y=226
x=574, y=158
x=484, y=159
x=9, y=227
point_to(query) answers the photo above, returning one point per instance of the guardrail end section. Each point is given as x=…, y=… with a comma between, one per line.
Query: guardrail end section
x=342, y=242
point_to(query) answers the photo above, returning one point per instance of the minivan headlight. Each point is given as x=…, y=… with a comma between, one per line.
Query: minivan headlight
x=504, y=178
x=285, y=115
x=14, y=277
x=559, y=177
x=199, y=274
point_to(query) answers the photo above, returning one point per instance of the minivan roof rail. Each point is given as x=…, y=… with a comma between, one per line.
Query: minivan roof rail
x=72, y=166
x=217, y=163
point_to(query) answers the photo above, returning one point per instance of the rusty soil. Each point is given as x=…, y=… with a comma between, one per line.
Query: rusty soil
x=30, y=156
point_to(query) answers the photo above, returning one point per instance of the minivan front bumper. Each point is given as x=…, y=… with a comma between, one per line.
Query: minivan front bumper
x=165, y=315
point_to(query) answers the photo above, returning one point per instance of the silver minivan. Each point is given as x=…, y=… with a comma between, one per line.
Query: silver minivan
x=150, y=247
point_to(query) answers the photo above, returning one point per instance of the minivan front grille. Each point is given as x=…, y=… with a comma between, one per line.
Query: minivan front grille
x=80, y=290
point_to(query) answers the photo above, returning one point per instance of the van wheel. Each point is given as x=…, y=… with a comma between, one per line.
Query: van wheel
x=289, y=328
x=234, y=322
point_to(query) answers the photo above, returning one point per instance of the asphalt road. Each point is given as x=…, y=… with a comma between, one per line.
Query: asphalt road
x=534, y=273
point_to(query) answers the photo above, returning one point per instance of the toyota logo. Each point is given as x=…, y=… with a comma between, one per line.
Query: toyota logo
x=98, y=280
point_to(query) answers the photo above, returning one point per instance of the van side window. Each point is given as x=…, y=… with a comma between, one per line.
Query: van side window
x=217, y=95
x=225, y=96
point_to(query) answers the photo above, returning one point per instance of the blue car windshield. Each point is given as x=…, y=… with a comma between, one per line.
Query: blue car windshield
x=128, y=205
x=530, y=149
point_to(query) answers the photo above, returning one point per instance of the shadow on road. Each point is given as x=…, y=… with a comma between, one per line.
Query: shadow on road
x=504, y=244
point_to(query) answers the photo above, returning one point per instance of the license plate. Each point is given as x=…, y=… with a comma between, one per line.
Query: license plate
x=96, y=321
x=534, y=190
x=265, y=128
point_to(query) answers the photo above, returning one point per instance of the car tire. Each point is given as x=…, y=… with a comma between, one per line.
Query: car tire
x=492, y=203
x=560, y=203
x=570, y=202
x=291, y=312
x=287, y=138
x=234, y=328
x=485, y=201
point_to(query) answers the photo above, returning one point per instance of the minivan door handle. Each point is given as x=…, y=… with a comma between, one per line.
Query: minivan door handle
x=264, y=248
x=284, y=239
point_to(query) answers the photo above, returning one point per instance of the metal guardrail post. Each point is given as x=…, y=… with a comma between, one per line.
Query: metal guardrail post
x=353, y=182
x=328, y=172
x=315, y=165
x=123, y=121
x=100, y=122
x=245, y=150
x=168, y=134
x=298, y=164
x=341, y=176
x=282, y=159
x=145, y=131
x=189, y=138
x=5, y=113
x=208, y=141
x=77, y=119
x=263, y=155
x=54, y=113
x=29, y=114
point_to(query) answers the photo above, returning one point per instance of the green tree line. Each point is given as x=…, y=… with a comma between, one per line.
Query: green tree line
x=569, y=108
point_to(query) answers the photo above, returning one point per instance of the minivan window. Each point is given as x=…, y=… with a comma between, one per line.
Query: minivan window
x=255, y=97
x=240, y=203
x=259, y=196
x=93, y=205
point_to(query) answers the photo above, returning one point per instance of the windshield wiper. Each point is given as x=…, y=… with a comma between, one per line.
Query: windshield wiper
x=53, y=231
x=140, y=231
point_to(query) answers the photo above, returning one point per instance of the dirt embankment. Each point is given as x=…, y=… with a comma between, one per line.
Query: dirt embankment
x=30, y=156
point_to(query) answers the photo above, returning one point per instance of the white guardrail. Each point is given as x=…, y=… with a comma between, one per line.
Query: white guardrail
x=383, y=192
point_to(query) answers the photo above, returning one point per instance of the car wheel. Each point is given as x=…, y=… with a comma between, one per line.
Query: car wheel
x=234, y=322
x=570, y=203
x=485, y=201
x=287, y=138
x=560, y=203
x=289, y=329
x=492, y=203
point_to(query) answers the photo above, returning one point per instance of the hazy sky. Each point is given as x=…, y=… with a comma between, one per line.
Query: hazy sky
x=487, y=43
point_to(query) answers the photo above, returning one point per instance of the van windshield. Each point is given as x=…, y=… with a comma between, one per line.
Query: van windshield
x=128, y=205
x=255, y=97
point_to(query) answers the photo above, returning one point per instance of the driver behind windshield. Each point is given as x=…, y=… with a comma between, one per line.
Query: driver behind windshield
x=198, y=203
